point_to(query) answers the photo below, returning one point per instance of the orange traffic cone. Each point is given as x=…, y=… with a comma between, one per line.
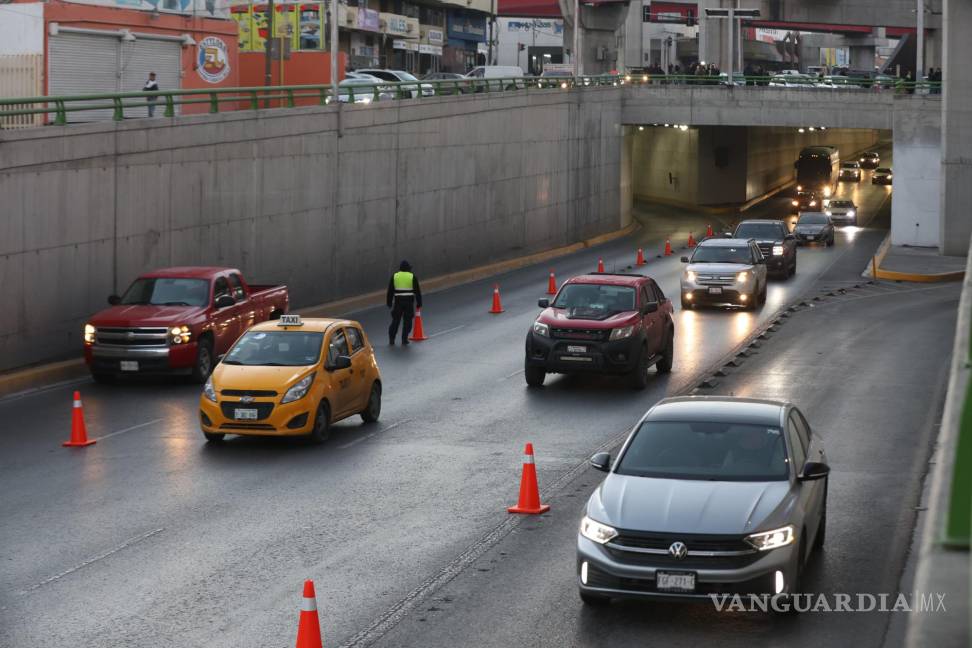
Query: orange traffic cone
x=79, y=433
x=309, y=626
x=708, y=231
x=497, y=306
x=529, y=503
x=691, y=241
x=640, y=260
x=668, y=248
x=600, y=265
x=418, y=333
x=552, y=284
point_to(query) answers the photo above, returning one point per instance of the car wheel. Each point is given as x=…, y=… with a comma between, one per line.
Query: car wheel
x=322, y=424
x=664, y=365
x=594, y=600
x=214, y=437
x=762, y=296
x=534, y=376
x=204, y=362
x=830, y=241
x=793, y=267
x=103, y=378
x=373, y=409
x=818, y=542
x=639, y=376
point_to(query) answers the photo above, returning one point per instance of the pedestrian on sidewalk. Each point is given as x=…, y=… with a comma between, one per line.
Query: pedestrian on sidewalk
x=404, y=296
x=151, y=86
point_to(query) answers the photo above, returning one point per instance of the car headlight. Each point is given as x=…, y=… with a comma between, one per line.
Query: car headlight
x=299, y=390
x=690, y=275
x=861, y=160
x=772, y=539
x=541, y=329
x=799, y=187
x=795, y=203
x=829, y=213
x=594, y=530
x=622, y=333
x=851, y=213
x=813, y=203
x=179, y=334
x=89, y=334
x=777, y=250
x=208, y=390
x=742, y=276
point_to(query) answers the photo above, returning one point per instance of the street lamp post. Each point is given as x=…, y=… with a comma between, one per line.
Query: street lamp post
x=732, y=15
x=577, y=64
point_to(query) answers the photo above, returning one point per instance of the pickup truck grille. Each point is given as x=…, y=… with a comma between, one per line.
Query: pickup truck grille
x=766, y=249
x=141, y=337
x=578, y=334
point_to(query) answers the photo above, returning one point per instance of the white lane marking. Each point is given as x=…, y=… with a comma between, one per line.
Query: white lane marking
x=34, y=391
x=129, y=429
x=368, y=436
x=82, y=565
x=454, y=328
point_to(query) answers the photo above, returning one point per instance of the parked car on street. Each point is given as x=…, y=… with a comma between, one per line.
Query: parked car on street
x=448, y=83
x=493, y=78
x=401, y=77
x=362, y=91
x=177, y=320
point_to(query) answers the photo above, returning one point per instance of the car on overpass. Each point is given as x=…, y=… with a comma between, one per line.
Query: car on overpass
x=775, y=242
x=881, y=176
x=724, y=271
x=814, y=227
x=404, y=78
x=708, y=495
x=362, y=91
x=843, y=211
x=292, y=377
x=449, y=82
x=870, y=160
x=602, y=323
x=850, y=171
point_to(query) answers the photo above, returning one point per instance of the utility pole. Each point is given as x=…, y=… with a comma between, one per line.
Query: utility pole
x=268, y=68
x=920, y=45
x=578, y=70
x=334, y=51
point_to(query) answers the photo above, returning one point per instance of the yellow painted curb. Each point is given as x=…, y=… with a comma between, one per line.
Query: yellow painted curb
x=23, y=379
x=877, y=272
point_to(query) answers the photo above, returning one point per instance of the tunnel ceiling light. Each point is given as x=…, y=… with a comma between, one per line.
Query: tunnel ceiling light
x=801, y=130
x=823, y=128
x=666, y=125
x=641, y=128
x=811, y=129
x=684, y=127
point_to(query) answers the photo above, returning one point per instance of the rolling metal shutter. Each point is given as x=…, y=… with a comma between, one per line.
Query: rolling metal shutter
x=83, y=64
x=94, y=64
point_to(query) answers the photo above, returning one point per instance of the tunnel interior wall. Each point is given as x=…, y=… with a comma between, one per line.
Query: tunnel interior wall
x=447, y=183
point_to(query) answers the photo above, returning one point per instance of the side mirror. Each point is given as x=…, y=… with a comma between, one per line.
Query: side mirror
x=685, y=260
x=543, y=303
x=649, y=307
x=813, y=470
x=601, y=461
x=341, y=362
x=114, y=300
x=223, y=301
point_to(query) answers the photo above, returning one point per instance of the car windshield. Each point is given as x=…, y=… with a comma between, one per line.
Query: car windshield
x=812, y=219
x=276, y=349
x=710, y=451
x=722, y=254
x=595, y=301
x=841, y=203
x=758, y=231
x=166, y=291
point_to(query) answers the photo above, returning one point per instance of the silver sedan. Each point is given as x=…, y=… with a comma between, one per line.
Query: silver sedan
x=708, y=496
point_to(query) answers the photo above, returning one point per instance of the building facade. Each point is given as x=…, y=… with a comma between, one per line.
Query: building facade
x=530, y=43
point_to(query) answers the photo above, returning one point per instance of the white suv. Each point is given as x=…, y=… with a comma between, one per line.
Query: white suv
x=725, y=271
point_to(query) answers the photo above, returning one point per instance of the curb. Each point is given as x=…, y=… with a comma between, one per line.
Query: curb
x=877, y=272
x=21, y=380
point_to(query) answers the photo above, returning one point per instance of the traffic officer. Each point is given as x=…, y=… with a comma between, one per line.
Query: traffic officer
x=404, y=296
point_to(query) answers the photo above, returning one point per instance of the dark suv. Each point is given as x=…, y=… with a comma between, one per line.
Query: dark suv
x=602, y=323
x=778, y=246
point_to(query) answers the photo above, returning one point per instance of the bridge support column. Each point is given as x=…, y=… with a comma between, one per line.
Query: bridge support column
x=956, y=182
x=862, y=57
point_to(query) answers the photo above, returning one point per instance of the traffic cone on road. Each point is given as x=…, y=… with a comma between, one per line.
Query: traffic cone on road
x=691, y=240
x=708, y=231
x=529, y=503
x=418, y=333
x=552, y=284
x=668, y=248
x=497, y=306
x=640, y=260
x=600, y=265
x=309, y=626
x=79, y=433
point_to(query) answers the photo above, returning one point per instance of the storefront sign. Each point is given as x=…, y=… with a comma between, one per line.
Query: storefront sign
x=368, y=20
x=554, y=26
x=405, y=45
x=434, y=50
x=398, y=25
x=467, y=26
x=206, y=8
x=432, y=35
x=212, y=60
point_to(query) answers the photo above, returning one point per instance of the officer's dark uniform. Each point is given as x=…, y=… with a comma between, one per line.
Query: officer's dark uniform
x=404, y=296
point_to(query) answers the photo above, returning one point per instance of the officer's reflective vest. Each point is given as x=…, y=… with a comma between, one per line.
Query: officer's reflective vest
x=404, y=284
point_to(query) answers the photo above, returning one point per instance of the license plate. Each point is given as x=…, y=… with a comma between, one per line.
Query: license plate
x=675, y=581
x=810, y=238
x=245, y=414
x=129, y=365
x=576, y=349
x=577, y=358
x=715, y=291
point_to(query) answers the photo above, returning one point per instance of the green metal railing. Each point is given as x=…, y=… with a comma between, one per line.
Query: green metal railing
x=57, y=109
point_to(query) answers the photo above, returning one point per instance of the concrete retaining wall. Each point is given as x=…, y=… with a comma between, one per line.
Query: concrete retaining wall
x=448, y=183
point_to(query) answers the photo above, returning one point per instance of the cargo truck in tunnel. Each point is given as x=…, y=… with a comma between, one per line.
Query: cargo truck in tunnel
x=817, y=170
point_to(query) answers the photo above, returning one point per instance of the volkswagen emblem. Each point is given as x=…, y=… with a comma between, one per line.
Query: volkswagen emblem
x=246, y=399
x=678, y=550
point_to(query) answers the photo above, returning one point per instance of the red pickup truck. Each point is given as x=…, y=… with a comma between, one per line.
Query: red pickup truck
x=177, y=320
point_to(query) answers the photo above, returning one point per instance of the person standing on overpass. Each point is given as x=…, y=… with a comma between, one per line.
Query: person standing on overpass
x=404, y=296
x=151, y=86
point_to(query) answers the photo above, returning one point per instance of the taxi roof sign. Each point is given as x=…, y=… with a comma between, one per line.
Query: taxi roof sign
x=290, y=320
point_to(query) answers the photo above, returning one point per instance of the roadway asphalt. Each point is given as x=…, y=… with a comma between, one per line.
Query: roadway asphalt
x=151, y=537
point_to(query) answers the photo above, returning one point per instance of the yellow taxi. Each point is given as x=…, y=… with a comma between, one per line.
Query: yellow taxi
x=292, y=377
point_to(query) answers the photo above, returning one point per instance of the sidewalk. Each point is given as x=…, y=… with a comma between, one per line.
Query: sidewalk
x=921, y=264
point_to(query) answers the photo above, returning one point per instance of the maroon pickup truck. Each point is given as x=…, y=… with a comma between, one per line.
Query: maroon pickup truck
x=177, y=320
